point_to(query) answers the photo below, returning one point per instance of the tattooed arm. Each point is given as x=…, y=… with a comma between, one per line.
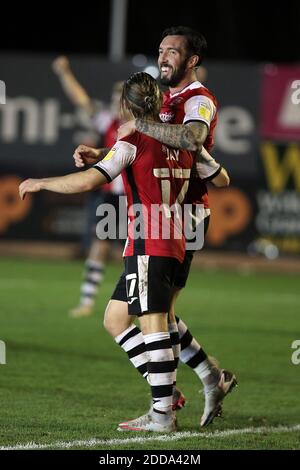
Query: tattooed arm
x=189, y=136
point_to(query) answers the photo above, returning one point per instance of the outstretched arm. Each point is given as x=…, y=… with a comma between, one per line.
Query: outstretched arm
x=75, y=92
x=120, y=156
x=69, y=184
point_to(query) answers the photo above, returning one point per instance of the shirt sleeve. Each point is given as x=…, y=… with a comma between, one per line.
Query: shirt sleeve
x=199, y=108
x=121, y=155
x=207, y=169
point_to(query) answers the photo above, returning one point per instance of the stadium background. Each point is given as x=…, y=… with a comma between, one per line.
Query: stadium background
x=253, y=62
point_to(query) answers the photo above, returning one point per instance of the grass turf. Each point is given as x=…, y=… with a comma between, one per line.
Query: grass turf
x=65, y=379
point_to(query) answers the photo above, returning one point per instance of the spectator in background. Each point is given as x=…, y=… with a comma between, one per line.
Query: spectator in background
x=106, y=122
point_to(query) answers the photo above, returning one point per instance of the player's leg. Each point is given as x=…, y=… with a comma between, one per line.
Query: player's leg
x=217, y=382
x=191, y=352
x=184, y=345
x=145, y=299
x=161, y=366
x=121, y=327
x=178, y=397
x=160, y=417
x=116, y=319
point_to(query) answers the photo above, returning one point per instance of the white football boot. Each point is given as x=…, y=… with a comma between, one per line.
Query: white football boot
x=215, y=396
x=148, y=423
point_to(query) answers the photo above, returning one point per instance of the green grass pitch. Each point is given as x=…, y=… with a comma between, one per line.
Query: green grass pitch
x=66, y=380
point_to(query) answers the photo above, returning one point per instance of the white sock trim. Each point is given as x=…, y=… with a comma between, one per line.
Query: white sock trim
x=154, y=337
x=125, y=332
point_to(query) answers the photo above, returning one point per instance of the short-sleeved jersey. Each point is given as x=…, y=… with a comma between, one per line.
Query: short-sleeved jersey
x=194, y=103
x=155, y=177
x=110, y=137
x=107, y=125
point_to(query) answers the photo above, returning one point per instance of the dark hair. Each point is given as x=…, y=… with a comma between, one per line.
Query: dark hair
x=141, y=95
x=195, y=42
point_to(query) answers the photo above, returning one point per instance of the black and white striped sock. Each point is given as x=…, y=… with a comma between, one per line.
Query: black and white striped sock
x=191, y=352
x=175, y=341
x=193, y=355
x=132, y=341
x=160, y=370
x=93, y=277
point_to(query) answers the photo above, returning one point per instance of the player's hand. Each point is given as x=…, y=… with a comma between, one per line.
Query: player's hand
x=204, y=156
x=61, y=65
x=126, y=129
x=29, y=186
x=85, y=155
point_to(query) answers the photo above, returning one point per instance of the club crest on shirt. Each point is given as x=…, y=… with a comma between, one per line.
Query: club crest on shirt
x=166, y=117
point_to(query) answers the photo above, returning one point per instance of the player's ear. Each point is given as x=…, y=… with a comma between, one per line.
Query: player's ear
x=193, y=61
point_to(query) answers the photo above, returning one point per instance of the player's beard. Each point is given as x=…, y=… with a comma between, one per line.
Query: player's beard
x=176, y=76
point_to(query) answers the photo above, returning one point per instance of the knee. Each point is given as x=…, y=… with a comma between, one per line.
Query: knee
x=109, y=325
x=116, y=321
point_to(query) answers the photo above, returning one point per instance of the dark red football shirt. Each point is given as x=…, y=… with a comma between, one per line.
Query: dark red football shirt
x=156, y=178
x=194, y=103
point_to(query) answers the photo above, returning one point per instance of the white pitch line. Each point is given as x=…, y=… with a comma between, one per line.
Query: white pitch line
x=161, y=438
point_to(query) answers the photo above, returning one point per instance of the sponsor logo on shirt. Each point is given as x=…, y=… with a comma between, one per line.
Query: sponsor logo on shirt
x=109, y=155
x=204, y=112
